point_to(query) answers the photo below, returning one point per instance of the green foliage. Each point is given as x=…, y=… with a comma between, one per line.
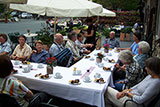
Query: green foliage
x=63, y=32
x=44, y=36
x=2, y=8
x=128, y=29
x=121, y=4
x=98, y=34
x=106, y=32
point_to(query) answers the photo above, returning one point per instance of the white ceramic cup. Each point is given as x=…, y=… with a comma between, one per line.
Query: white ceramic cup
x=40, y=65
x=78, y=71
x=97, y=75
x=30, y=67
x=58, y=74
x=87, y=78
x=16, y=63
x=26, y=69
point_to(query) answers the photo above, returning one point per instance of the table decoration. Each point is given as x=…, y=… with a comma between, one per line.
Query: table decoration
x=99, y=57
x=106, y=48
x=28, y=31
x=51, y=62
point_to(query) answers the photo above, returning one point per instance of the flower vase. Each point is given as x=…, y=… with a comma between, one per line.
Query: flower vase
x=106, y=50
x=98, y=60
x=49, y=69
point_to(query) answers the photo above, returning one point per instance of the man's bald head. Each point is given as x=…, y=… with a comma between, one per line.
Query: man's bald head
x=58, y=38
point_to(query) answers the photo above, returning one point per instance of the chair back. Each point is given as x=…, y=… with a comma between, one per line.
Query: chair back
x=8, y=101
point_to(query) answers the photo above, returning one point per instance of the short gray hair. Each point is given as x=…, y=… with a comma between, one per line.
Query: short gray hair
x=126, y=56
x=144, y=46
x=112, y=32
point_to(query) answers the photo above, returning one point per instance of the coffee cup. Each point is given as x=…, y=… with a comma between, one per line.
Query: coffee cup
x=78, y=71
x=97, y=75
x=16, y=63
x=87, y=78
x=30, y=67
x=40, y=66
x=57, y=74
x=26, y=70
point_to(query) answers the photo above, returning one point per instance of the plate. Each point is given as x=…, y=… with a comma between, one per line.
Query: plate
x=25, y=71
x=58, y=77
x=100, y=82
x=75, y=83
x=40, y=66
x=77, y=74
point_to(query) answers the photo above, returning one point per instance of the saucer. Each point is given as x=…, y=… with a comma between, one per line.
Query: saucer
x=40, y=66
x=87, y=81
x=91, y=59
x=25, y=71
x=77, y=74
x=59, y=77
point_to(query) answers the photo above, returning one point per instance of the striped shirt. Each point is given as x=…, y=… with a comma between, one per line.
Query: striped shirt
x=24, y=51
x=16, y=89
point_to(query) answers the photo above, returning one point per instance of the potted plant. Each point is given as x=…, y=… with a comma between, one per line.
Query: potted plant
x=51, y=62
x=106, y=48
x=45, y=36
x=128, y=33
x=122, y=35
x=99, y=57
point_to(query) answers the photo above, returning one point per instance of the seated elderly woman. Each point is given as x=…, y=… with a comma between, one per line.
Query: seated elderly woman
x=5, y=47
x=39, y=55
x=143, y=92
x=22, y=51
x=135, y=72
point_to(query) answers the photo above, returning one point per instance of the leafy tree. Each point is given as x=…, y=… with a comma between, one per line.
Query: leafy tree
x=2, y=8
x=121, y=4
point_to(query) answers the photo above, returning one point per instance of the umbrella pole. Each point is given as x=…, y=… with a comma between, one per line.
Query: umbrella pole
x=54, y=25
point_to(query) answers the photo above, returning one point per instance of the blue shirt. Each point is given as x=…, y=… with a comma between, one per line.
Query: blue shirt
x=5, y=47
x=140, y=59
x=39, y=57
x=55, y=49
x=134, y=48
x=112, y=43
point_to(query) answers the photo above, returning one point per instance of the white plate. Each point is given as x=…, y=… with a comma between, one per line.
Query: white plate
x=40, y=66
x=60, y=77
x=87, y=81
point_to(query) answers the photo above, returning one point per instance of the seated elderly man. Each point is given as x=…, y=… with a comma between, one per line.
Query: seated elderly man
x=134, y=46
x=39, y=55
x=72, y=46
x=57, y=46
x=5, y=47
x=112, y=41
x=22, y=50
x=81, y=45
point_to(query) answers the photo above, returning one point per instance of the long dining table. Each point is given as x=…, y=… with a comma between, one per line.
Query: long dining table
x=91, y=93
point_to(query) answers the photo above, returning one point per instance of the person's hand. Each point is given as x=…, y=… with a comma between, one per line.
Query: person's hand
x=120, y=82
x=130, y=95
x=123, y=67
x=34, y=51
x=86, y=51
x=120, y=95
x=117, y=65
x=90, y=45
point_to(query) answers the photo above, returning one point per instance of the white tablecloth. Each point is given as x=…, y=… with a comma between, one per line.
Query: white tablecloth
x=89, y=93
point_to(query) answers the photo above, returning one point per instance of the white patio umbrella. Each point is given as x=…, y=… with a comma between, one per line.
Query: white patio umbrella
x=60, y=8
x=13, y=1
x=107, y=13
